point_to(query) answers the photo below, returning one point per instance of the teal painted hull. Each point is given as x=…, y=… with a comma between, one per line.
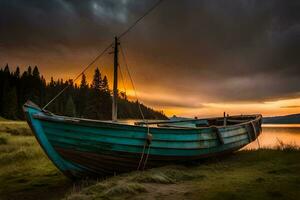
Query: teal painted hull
x=81, y=147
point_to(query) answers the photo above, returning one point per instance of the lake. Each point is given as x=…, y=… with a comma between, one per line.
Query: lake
x=272, y=133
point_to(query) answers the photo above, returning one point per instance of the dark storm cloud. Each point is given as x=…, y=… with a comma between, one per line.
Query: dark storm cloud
x=246, y=50
x=58, y=22
x=229, y=50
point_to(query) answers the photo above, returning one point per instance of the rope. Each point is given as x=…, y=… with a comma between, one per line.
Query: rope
x=123, y=80
x=149, y=135
x=142, y=156
x=149, y=146
x=258, y=143
x=131, y=80
x=147, y=143
x=139, y=19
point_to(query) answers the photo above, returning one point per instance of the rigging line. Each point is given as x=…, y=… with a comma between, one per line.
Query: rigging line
x=122, y=78
x=139, y=19
x=86, y=68
x=131, y=80
x=147, y=156
x=147, y=142
x=142, y=157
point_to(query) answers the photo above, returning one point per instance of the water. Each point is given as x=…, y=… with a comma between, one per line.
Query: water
x=272, y=133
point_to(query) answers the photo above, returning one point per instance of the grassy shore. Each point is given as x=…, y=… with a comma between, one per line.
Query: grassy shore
x=26, y=173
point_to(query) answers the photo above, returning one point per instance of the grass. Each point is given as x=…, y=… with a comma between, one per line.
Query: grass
x=3, y=140
x=248, y=174
x=26, y=173
x=3, y=119
x=286, y=147
x=15, y=128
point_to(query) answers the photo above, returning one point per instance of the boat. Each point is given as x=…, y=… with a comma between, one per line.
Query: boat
x=83, y=147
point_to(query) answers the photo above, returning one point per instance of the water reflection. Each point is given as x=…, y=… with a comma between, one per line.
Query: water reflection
x=272, y=133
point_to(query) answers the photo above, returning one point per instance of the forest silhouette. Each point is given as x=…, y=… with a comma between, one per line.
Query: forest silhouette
x=86, y=100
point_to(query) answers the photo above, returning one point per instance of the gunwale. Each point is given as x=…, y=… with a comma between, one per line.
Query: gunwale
x=97, y=123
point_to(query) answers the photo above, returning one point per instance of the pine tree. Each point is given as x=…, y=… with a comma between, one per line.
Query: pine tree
x=4, y=88
x=106, y=99
x=97, y=80
x=70, y=108
x=17, y=83
x=94, y=108
x=1, y=89
x=29, y=71
x=35, y=80
x=36, y=72
x=10, y=107
x=105, y=86
x=6, y=69
x=52, y=81
x=82, y=96
x=17, y=73
x=83, y=83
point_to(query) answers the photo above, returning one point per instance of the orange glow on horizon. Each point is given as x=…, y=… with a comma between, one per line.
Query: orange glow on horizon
x=158, y=100
x=274, y=108
x=270, y=108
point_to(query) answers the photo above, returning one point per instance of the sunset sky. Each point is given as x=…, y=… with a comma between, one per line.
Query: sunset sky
x=188, y=58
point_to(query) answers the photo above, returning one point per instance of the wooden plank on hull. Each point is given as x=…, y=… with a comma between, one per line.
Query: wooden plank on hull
x=218, y=134
x=254, y=130
x=249, y=132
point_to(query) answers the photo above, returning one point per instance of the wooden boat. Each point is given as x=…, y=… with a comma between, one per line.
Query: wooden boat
x=82, y=147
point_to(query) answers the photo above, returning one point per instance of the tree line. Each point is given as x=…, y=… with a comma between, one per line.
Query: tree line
x=86, y=100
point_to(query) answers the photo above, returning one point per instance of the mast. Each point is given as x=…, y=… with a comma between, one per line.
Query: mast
x=115, y=86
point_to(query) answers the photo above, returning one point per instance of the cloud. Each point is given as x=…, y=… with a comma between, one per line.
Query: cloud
x=171, y=103
x=212, y=51
x=292, y=106
x=166, y=100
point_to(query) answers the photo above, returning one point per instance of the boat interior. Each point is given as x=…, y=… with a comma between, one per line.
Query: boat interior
x=196, y=123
